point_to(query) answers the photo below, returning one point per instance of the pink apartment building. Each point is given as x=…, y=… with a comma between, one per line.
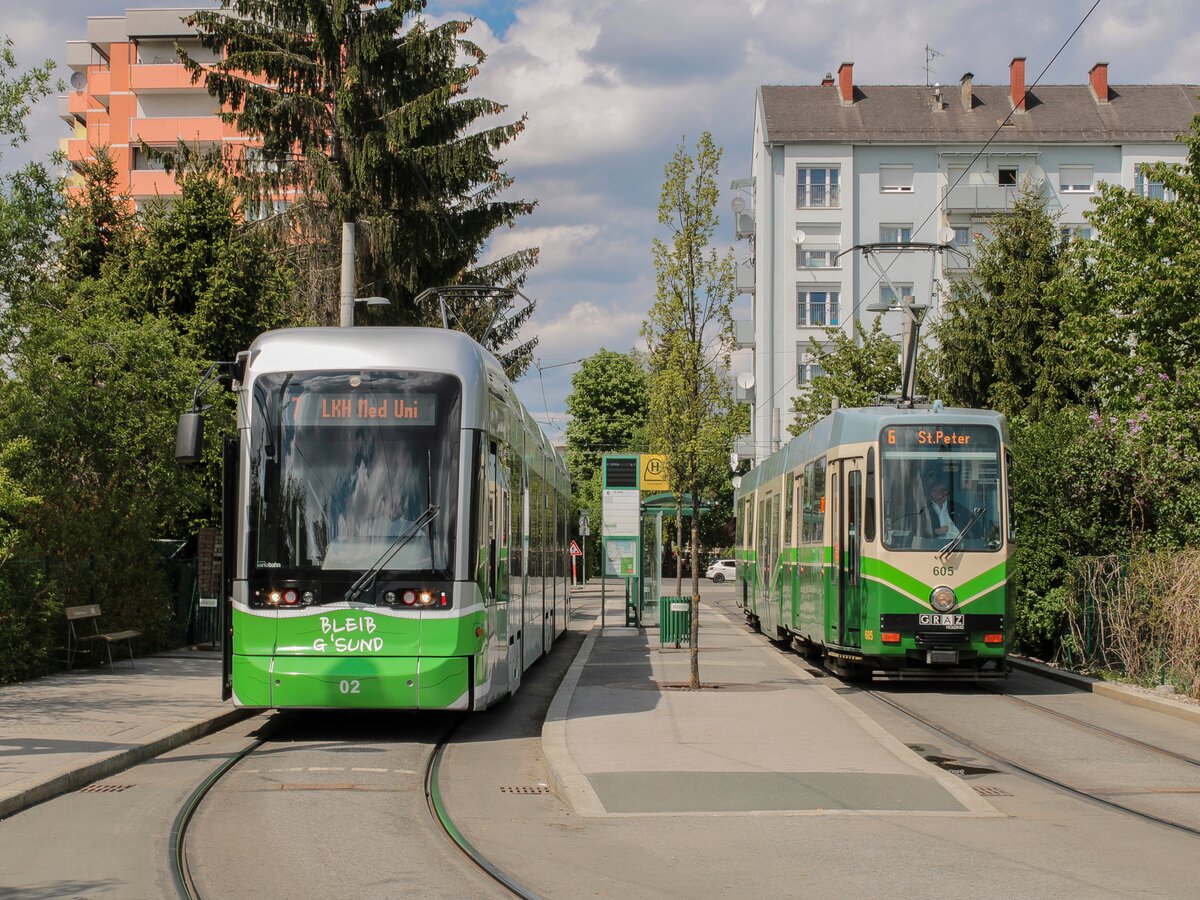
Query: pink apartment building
x=127, y=87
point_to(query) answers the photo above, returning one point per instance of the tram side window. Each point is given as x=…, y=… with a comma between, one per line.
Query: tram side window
x=1012, y=525
x=869, y=512
x=819, y=501
x=806, y=526
x=788, y=485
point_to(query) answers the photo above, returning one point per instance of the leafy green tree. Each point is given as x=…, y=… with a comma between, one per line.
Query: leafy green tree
x=856, y=374
x=194, y=262
x=608, y=404
x=364, y=108
x=997, y=336
x=99, y=219
x=30, y=198
x=690, y=332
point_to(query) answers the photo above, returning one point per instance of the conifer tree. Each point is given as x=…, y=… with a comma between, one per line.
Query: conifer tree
x=363, y=112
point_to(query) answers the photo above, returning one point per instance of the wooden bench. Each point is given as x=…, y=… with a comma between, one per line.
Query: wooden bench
x=75, y=640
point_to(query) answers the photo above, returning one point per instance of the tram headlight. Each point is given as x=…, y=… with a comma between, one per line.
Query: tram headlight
x=943, y=598
x=308, y=597
x=389, y=597
x=425, y=598
x=410, y=597
x=274, y=597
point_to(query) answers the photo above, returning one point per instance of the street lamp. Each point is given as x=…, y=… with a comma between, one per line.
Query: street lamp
x=348, y=315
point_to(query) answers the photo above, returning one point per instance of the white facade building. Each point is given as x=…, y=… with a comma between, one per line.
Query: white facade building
x=838, y=165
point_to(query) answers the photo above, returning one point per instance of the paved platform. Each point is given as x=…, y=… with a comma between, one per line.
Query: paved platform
x=763, y=735
x=620, y=738
x=65, y=731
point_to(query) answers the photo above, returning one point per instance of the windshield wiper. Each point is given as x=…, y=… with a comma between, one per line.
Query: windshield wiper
x=958, y=538
x=367, y=578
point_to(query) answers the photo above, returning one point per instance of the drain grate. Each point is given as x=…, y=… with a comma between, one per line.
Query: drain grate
x=524, y=789
x=100, y=788
x=988, y=791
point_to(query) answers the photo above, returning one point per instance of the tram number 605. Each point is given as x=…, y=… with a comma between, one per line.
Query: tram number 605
x=942, y=571
x=348, y=687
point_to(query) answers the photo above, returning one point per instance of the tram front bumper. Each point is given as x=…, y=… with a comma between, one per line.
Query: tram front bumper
x=351, y=682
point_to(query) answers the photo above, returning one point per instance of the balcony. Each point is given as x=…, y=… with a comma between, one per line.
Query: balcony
x=152, y=183
x=169, y=129
x=960, y=261
x=743, y=333
x=99, y=84
x=743, y=278
x=973, y=198
x=148, y=78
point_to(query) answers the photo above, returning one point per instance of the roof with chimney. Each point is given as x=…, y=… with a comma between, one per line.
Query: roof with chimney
x=910, y=114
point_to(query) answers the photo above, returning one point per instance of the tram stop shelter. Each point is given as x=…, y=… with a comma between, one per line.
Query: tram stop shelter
x=650, y=575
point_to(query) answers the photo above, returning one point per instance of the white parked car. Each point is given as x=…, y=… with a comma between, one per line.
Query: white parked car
x=720, y=570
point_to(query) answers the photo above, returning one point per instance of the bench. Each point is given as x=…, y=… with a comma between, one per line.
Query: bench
x=75, y=640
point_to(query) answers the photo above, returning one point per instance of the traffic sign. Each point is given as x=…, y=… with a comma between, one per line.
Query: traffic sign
x=575, y=551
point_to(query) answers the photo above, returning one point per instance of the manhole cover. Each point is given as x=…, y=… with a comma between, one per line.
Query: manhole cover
x=987, y=791
x=105, y=788
x=723, y=687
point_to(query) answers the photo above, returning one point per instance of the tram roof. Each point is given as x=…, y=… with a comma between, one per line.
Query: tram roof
x=421, y=349
x=857, y=425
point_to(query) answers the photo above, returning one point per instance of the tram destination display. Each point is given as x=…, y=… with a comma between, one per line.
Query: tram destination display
x=374, y=408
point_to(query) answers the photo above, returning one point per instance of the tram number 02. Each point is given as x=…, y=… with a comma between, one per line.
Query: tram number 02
x=943, y=571
x=349, y=686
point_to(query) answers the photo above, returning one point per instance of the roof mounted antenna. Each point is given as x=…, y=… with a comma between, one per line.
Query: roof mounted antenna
x=470, y=302
x=913, y=314
x=930, y=56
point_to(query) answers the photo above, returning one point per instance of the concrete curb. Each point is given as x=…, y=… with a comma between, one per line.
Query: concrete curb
x=164, y=741
x=1124, y=693
x=564, y=775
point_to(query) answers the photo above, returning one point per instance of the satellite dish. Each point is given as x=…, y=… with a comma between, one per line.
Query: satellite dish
x=746, y=380
x=799, y=237
x=737, y=481
x=946, y=235
x=78, y=81
x=737, y=205
x=1036, y=175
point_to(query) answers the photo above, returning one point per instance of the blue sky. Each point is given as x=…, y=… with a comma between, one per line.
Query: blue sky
x=612, y=86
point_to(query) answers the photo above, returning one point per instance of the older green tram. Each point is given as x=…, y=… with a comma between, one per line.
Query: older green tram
x=881, y=539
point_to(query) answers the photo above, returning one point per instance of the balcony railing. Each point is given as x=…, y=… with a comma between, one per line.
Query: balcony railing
x=743, y=278
x=818, y=195
x=981, y=197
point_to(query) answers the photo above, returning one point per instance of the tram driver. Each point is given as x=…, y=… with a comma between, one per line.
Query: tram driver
x=943, y=518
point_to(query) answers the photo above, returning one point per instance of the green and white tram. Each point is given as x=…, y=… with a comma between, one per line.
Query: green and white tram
x=882, y=539
x=395, y=524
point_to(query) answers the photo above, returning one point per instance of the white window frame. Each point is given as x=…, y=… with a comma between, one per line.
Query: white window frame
x=1070, y=179
x=899, y=228
x=888, y=299
x=955, y=242
x=831, y=187
x=899, y=180
x=806, y=372
x=1144, y=186
x=810, y=253
x=1074, y=231
x=804, y=305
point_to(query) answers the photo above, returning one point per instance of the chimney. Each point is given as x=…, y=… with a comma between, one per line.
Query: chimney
x=1099, y=78
x=1016, y=81
x=968, y=95
x=846, y=83
x=827, y=81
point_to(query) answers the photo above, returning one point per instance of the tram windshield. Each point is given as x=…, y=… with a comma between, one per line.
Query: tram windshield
x=941, y=487
x=343, y=463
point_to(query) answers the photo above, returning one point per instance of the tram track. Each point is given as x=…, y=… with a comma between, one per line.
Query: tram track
x=1004, y=760
x=1012, y=764
x=186, y=887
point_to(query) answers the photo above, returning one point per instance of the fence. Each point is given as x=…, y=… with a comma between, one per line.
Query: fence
x=1139, y=615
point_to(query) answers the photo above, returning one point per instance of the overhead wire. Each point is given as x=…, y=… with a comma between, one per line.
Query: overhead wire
x=937, y=206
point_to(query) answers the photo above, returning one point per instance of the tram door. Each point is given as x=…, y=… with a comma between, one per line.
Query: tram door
x=847, y=494
x=499, y=539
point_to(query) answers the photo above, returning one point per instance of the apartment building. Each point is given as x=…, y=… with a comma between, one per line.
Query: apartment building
x=837, y=165
x=128, y=89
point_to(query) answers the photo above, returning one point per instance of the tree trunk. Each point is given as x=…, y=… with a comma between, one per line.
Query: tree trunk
x=694, y=678
x=678, y=545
